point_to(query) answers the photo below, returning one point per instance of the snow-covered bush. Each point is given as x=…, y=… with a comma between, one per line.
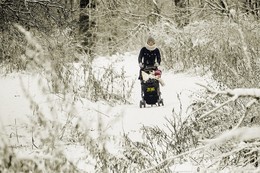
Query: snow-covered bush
x=227, y=48
x=10, y=50
x=67, y=75
x=66, y=68
x=41, y=162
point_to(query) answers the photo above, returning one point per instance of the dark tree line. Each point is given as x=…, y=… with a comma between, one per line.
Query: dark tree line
x=108, y=21
x=42, y=15
x=245, y=6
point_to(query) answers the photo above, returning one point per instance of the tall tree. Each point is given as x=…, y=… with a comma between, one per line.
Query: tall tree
x=86, y=25
x=182, y=12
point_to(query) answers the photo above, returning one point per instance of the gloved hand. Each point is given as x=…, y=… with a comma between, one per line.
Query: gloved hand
x=156, y=64
x=141, y=65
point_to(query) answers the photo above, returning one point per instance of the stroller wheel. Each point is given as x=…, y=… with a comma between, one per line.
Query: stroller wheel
x=162, y=102
x=142, y=104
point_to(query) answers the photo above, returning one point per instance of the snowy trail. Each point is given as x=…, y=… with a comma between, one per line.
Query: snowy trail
x=155, y=116
x=132, y=117
x=116, y=120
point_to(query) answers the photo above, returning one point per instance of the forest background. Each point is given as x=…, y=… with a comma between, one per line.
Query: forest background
x=217, y=36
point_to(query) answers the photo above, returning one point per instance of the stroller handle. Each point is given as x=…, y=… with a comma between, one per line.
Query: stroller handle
x=148, y=68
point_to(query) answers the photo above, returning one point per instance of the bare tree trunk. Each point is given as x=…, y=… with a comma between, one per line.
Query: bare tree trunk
x=182, y=15
x=86, y=25
x=180, y=3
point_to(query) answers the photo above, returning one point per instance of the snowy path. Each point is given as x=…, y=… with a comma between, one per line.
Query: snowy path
x=15, y=107
x=133, y=117
x=129, y=118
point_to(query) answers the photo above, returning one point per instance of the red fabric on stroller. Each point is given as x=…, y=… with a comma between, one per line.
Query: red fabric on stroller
x=158, y=73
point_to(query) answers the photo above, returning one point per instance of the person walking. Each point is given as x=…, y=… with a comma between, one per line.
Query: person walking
x=149, y=56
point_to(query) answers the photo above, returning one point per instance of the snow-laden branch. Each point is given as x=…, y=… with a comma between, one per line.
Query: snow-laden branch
x=31, y=40
x=155, y=3
x=167, y=162
x=239, y=92
x=241, y=134
x=220, y=106
x=248, y=106
x=235, y=94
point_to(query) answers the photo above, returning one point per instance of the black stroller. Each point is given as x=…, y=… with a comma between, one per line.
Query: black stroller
x=150, y=90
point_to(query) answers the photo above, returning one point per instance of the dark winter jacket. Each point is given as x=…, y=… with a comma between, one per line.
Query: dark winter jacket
x=149, y=57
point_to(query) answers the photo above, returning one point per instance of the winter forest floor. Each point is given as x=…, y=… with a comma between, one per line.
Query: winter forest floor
x=16, y=111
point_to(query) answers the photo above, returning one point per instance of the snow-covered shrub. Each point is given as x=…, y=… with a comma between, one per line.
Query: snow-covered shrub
x=65, y=78
x=103, y=85
x=38, y=162
x=226, y=121
x=10, y=50
x=67, y=69
x=228, y=49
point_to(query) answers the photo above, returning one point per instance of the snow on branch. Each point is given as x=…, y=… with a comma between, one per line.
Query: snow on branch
x=249, y=104
x=155, y=3
x=32, y=41
x=169, y=161
x=234, y=94
x=240, y=134
x=239, y=92
x=220, y=106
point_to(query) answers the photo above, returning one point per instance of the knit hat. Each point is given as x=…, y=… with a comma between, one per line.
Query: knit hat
x=150, y=39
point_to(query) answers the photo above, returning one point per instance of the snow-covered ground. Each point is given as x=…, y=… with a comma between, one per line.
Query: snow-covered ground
x=15, y=108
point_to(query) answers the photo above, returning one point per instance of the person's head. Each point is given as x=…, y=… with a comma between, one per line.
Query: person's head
x=150, y=41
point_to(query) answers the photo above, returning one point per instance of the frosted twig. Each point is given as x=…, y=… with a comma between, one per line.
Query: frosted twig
x=168, y=161
x=240, y=92
x=219, y=158
x=248, y=106
x=16, y=133
x=32, y=41
x=180, y=112
x=240, y=134
x=235, y=93
x=244, y=48
x=220, y=106
x=193, y=112
x=211, y=90
x=33, y=144
x=155, y=3
x=215, y=6
x=101, y=113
